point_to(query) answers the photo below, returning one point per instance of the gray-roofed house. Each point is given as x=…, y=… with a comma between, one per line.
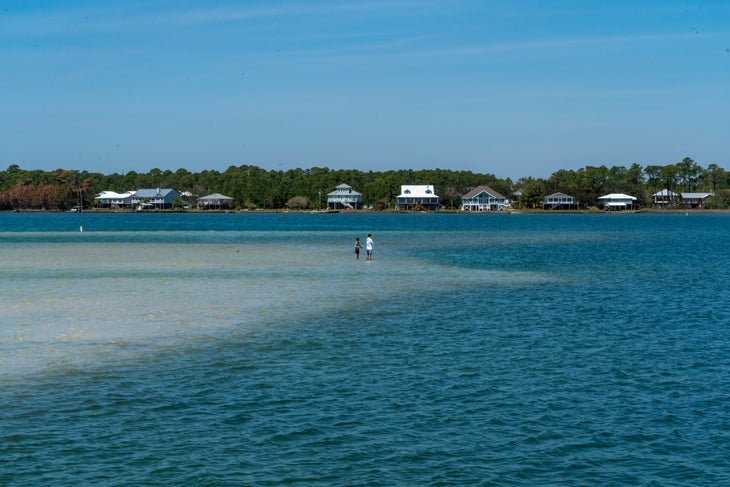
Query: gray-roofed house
x=559, y=201
x=215, y=201
x=344, y=197
x=664, y=198
x=694, y=200
x=483, y=198
x=154, y=198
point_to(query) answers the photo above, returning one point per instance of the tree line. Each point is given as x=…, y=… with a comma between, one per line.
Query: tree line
x=252, y=187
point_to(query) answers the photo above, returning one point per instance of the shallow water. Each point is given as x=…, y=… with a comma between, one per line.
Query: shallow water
x=247, y=349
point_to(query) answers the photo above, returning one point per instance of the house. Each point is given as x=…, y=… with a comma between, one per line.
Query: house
x=111, y=199
x=559, y=201
x=417, y=197
x=618, y=201
x=694, y=200
x=215, y=201
x=154, y=198
x=664, y=198
x=483, y=198
x=344, y=197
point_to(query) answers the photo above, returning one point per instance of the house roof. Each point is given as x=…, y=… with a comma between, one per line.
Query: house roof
x=665, y=192
x=153, y=193
x=483, y=189
x=617, y=196
x=215, y=197
x=341, y=187
x=106, y=195
x=696, y=195
x=558, y=195
x=417, y=191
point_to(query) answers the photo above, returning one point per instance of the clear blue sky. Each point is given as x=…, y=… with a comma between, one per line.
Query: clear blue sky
x=510, y=87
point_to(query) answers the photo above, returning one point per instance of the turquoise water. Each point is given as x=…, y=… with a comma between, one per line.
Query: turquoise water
x=252, y=349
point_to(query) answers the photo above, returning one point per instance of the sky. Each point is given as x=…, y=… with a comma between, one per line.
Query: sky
x=514, y=88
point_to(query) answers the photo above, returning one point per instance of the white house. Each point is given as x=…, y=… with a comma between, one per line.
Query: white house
x=417, y=197
x=559, y=201
x=344, y=197
x=483, y=198
x=215, y=201
x=618, y=201
x=111, y=199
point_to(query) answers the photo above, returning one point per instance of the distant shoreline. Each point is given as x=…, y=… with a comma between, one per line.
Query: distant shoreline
x=654, y=211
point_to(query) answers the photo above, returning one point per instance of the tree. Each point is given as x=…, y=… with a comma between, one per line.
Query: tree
x=533, y=191
x=179, y=203
x=253, y=187
x=689, y=173
x=593, y=182
x=297, y=202
x=451, y=194
x=654, y=177
x=381, y=204
x=714, y=174
x=670, y=176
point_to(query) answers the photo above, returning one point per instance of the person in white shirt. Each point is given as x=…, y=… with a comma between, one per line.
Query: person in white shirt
x=369, y=246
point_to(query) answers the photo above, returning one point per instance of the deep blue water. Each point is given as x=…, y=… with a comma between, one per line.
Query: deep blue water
x=252, y=349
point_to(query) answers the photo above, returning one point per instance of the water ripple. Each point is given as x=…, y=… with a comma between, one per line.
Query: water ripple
x=524, y=352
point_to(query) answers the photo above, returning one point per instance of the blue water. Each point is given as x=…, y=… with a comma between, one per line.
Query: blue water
x=253, y=349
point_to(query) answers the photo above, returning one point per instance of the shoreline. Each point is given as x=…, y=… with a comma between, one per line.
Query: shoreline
x=653, y=211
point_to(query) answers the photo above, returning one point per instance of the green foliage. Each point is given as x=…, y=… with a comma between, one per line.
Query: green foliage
x=381, y=204
x=253, y=187
x=533, y=190
x=179, y=203
x=721, y=200
x=297, y=203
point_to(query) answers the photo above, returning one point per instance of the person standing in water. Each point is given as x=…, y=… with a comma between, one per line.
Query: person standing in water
x=357, y=248
x=369, y=246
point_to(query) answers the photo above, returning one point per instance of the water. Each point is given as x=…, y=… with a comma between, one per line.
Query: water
x=252, y=349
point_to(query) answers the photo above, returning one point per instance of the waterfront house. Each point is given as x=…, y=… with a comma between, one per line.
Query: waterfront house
x=111, y=199
x=664, y=198
x=154, y=198
x=215, y=201
x=559, y=201
x=344, y=198
x=694, y=200
x=618, y=201
x=417, y=197
x=483, y=198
